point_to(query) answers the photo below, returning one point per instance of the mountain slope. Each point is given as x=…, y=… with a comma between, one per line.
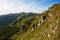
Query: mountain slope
x=6, y=19
x=9, y=18
x=7, y=31
x=45, y=26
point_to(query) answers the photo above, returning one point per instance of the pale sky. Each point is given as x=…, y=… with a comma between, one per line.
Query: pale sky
x=17, y=6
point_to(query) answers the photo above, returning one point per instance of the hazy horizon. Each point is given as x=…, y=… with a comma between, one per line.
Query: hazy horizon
x=18, y=6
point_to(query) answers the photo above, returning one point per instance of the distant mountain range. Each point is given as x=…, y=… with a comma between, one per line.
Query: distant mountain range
x=9, y=18
x=32, y=26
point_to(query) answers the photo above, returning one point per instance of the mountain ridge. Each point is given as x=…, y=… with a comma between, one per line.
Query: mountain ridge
x=44, y=26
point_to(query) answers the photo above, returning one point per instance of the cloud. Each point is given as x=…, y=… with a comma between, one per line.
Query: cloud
x=17, y=6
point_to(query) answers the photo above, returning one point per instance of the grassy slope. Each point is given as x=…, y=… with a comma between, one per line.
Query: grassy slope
x=13, y=28
x=41, y=32
x=21, y=28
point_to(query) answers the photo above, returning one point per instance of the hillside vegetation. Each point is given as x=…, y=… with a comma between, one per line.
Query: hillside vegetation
x=44, y=26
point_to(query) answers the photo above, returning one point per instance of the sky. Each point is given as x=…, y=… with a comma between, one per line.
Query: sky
x=17, y=6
